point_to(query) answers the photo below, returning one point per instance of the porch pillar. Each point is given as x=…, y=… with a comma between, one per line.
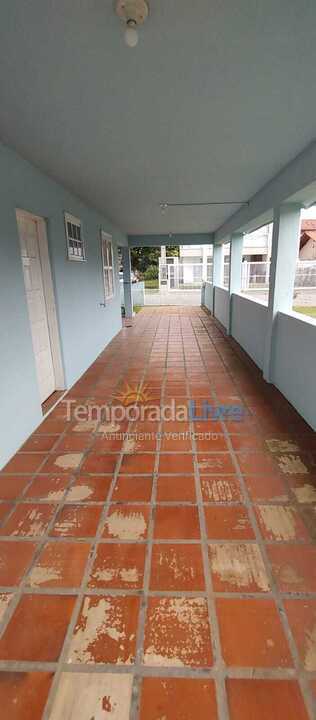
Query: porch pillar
x=127, y=280
x=285, y=247
x=235, y=268
x=218, y=269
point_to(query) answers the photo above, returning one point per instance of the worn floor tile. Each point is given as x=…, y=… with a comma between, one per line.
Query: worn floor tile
x=138, y=464
x=132, y=489
x=256, y=462
x=89, y=489
x=15, y=557
x=174, y=488
x=5, y=599
x=178, y=699
x=177, y=567
x=303, y=489
x=176, y=523
x=24, y=463
x=60, y=565
x=267, y=487
x=265, y=700
x=118, y=565
x=62, y=463
x=99, y=464
x=5, y=508
x=74, y=443
x=177, y=633
x=77, y=521
x=23, y=695
x=50, y=615
x=281, y=523
x=294, y=567
x=29, y=520
x=220, y=490
x=105, y=631
x=127, y=522
x=51, y=488
x=302, y=618
x=228, y=523
x=82, y=696
x=39, y=443
x=258, y=621
x=238, y=567
x=216, y=464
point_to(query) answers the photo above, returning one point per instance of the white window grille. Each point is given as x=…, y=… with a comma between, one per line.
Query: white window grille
x=74, y=238
x=107, y=263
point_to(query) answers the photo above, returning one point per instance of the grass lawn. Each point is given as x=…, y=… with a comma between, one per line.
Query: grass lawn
x=306, y=310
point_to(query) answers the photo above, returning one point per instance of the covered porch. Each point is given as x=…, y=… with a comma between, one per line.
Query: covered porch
x=152, y=561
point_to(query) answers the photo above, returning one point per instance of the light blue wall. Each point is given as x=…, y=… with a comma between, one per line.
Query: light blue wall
x=294, y=362
x=249, y=320
x=221, y=305
x=85, y=328
x=208, y=296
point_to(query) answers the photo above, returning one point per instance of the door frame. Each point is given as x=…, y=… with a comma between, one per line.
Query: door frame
x=49, y=295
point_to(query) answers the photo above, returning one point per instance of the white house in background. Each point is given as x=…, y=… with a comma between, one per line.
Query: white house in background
x=257, y=248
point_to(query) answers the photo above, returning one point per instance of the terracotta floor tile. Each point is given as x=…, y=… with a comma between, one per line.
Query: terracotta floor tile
x=127, y=522
x=246, y=442
x=138, y=464
x=51, y=488
x=294, y=464
x=238, y=567
x=50, y=615
x=118, y=566
x=99, y=464
x=39, y=443
x=105, y=631
x=294, y=567
x=29, y=520
x=5, y=599
x=178, y=699
x=217, y=464
x=228, y=523
x=176, y=464
x=176, y=442
x=176, y=523
x=210, y=442
x=15, y=557
x=256, y=462
x=62, y=463
x=108, y=443
x=281, y=523
x=59, y=565
x=174, y=488
x=89, y=489
x=23, y=695
x=221, y=490
x=51, y=426
x=77, y=521
x=265, y=700
x=12, y=487
x=177, y=633
x=267, y=487
x=132, y=489
x=5, y=508
x=177, y=567
x=302, y=619
x=304, y=490
x=83, y=696
x=24, y=463
x=258, y=621
x=74, y=442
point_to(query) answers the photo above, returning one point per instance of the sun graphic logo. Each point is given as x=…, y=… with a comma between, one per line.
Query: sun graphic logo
x=131, y=395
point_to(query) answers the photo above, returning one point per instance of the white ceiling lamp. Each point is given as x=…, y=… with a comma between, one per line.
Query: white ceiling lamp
x=133, y=13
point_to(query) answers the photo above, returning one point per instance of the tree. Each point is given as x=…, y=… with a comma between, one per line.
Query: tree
x=148, y=257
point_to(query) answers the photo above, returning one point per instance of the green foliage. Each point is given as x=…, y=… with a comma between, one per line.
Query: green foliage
x=151, y=273
x=144, y=258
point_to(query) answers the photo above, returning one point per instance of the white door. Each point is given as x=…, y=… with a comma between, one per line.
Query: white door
x=33, y=278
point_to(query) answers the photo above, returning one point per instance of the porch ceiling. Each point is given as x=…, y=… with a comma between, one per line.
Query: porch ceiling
x=213, y=102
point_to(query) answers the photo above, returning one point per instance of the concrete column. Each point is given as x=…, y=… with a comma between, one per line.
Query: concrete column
x=204, y=262
x=218, y=269
x=127, y=269
x=235, y=268
x=285, y=249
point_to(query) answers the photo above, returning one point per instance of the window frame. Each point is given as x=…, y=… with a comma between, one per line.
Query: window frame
x=69, y=218
x=107, y=266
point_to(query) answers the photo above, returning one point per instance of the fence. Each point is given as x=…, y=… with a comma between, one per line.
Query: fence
x=180, y=276
x=256, y=275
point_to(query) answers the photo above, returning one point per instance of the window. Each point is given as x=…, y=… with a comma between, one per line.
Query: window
x=75, y=241
x=107, y=263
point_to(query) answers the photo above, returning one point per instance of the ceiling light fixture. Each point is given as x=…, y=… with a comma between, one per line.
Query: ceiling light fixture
x=133, y=13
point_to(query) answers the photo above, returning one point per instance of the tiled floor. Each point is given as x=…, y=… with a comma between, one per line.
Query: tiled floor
x=168, y=573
